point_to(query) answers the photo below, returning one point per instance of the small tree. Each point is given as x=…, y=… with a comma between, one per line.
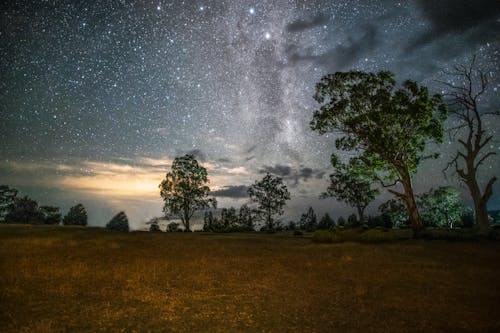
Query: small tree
x=51, y=214
x=208, y=221
x=352, y=221
x=173, y=227
x=389, y=127
x=473, y=151
x=441, y=207
x=341, y=221
x=246, y=218
x=154, y=227
x=26, y=211
x=395, y=211
x=7, y=201
x=119, y=223
x=271, y=195
x=326, y=222
x=229, y=218
x=77, y=215
x=352, y=184
x=308, y=221
x=184, y=189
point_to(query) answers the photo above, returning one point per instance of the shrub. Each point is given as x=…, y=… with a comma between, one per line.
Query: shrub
x=173, y=227
x=77, y=215
x=118, y=223
x=323, y=236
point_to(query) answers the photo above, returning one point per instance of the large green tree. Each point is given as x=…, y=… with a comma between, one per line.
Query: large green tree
x=184, y=190
x=270, y=194
x=389, y=126
x=441, y=207
x=352, y=184
x=465, y=91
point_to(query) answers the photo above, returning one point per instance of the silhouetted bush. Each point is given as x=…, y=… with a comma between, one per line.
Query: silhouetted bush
x=77, y=215
x=173, y=227
x=24, y=210
x=119, y=223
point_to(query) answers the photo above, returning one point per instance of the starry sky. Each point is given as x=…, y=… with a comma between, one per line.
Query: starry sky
x=98, y=98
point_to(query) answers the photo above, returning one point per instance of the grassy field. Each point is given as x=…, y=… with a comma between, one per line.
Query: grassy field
x=67, y=279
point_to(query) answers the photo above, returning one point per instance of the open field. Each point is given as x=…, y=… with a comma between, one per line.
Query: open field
x=68, y=279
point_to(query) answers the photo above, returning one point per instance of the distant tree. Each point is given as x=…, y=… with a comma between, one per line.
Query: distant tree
x=467, y=218
x=271, y=195
x=184, y=189
x=352, y=221
x=308, y=221
x=51, y=214
x=389, y=127
x=118, y=223
x=77, y=215
x=154, y=227
x=246, y=218
x=352, y=183
x=7, y=201
x=229, y=218
x=441, y=207
x=341, y=221
x=473, y=138
x=326, y=222
x=208, y=221
x=395, y=211
x=173, y=227
x=25, y=211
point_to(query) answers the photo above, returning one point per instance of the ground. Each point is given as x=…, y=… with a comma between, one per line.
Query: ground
x=73, y=279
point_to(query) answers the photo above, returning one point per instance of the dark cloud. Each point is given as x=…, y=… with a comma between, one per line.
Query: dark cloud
x=224, y=160
x=289, y=173
x=342, y=56
x=198, y=154
x=236, y=191
x=458, y=17
x=308, y=23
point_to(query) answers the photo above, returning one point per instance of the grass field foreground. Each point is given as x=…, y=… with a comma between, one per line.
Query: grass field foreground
x=69, y=279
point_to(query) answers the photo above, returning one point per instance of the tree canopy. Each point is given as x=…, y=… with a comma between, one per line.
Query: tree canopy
x=270, y=194
x=119, y=223
x=352, y=183
x=389, y=127
x=77, y=215
x=184, y=189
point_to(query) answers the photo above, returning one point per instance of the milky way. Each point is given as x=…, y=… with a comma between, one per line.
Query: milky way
x=97, y=98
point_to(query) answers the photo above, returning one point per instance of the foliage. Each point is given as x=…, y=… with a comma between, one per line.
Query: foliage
x=271, y=195
x=341, y=221
x=395, y=211
x=25, y=210
x=308, y=220
x=229, y=219
x=467, y=217
x=173, y=227
x=7, y=201
x=464, y=100
x=51, y=214
x=352, y=183
x=389, y=127
x=184, y=189
x=246, y=218
x=119, y=223
x=77, y=215
x=441, y=207
x=352, y=221
x=154, y=227
x=326, y=222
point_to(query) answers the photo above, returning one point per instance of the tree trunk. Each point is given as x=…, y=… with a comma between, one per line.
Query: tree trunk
x=361, y=215
x=411, y=205
x=186, y=221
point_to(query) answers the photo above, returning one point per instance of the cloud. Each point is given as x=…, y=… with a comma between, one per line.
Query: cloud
x=446, y=17
x=308, y=23
x=343, y=56
x=289, y=173
x=232, y=191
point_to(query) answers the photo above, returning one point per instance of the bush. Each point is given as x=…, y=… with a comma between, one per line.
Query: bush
x=323, y=236
x=173, y=227
x=118, y=223
x=77, y=215
x=154, y=227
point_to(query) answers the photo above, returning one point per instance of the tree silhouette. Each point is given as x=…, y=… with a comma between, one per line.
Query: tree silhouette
x=389, y=127
x=309, y=221
x=326, y=222
x=51, y=214
x=25, y=210
x=246, y=218
x=7, y=201
x=271, y=195
x=77, y=215
x=184, y=189
x=118, y=223
x=464, y=105
x=352, y=184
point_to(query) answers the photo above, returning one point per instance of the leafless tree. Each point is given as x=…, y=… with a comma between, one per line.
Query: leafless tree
x=464, y=97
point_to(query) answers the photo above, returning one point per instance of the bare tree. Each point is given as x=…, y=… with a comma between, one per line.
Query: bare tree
x=464, y=98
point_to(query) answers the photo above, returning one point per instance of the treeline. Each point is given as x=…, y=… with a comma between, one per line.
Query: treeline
x=25, y=210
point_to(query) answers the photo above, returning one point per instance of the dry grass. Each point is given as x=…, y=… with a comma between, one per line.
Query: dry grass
x=64, y=279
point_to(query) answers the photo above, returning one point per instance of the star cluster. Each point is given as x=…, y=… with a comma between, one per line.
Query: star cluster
x=136, y=83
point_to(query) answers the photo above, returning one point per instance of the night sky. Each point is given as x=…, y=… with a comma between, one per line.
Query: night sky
x=98, y=98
